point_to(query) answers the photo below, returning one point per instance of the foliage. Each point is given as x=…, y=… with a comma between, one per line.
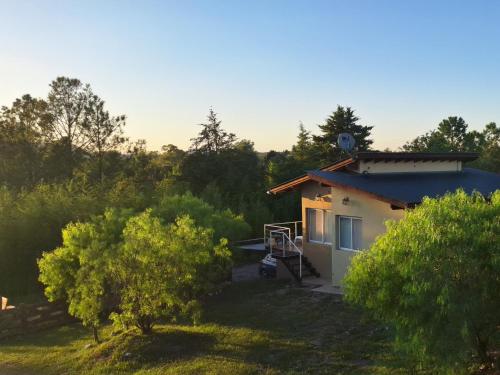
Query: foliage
x=343, y=120
x=30, y=223
x=77, y=272
x=212, y=138
x=101, y=131
x=452, y=135
x=136, y=268
x=165, y=270
x=434, y=276
x=224, y=223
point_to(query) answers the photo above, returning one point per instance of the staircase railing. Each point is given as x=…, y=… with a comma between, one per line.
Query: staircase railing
x=293, y=228
x=287, y=244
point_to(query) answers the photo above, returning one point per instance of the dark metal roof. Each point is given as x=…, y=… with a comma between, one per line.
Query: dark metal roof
x=401, y=156
x=410, y=188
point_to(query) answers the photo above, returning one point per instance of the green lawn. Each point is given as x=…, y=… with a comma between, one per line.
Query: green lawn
x=263, y=327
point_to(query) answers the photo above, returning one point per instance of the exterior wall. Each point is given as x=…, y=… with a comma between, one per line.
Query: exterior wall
x=373, y=214
x=327, y=259
x=409, y=166
x=320, y=255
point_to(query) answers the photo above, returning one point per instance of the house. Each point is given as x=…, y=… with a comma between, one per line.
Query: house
x=345, y=205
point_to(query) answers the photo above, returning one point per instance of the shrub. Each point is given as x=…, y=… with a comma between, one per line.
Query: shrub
x=134, y=269
x=434, y=276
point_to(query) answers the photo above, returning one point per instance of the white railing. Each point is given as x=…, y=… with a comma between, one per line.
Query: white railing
x=283, y=231
x=284, y=226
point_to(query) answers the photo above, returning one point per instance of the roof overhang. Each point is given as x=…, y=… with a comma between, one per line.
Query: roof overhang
x=291, y=184
x=326, y=182
x=377, y=156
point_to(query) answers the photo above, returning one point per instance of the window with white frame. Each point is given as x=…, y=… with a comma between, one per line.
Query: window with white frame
x=349, y=233
x=320, y=225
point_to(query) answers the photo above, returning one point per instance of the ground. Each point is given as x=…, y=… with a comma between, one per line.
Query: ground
x=258, y=327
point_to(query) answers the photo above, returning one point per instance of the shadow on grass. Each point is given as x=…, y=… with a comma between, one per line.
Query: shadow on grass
x=164, y=345
x=60, y=336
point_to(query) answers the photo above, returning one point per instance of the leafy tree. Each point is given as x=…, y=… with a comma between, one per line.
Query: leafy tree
x=24, y=132
x=67, y=100
x=305, y=151
x=451, y=135
x=224, y=224
x=78, y=271
x=163, y=271
x=135, y=270
x=212, y=137
x=489, y=158
x=434, y=276
x=101, y=131
x=31, y=222
x=343, y=120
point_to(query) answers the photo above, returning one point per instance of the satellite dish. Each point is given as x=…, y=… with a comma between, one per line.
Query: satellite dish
x=346, y=141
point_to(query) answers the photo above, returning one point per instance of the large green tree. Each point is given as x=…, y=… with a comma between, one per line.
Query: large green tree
x=101, y=131
x=453, y=135
x=24, y=134
x=434, y=276
x=134, y=269
x=343, y=120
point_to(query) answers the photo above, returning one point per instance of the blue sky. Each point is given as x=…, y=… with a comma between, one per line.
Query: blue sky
x=263, y=65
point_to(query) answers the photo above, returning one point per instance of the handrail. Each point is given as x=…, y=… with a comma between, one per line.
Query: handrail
x=281, y=226
x=291, y=246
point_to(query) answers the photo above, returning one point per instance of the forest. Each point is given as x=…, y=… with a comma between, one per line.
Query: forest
x=65, y=159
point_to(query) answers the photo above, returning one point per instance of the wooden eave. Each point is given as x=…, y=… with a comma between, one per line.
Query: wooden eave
x=291, y=184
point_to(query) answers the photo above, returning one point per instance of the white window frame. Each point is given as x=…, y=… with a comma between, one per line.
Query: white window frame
x=308, y=210
x=351, y=218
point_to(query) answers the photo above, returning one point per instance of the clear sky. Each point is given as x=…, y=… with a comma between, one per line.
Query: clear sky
x=263, y=65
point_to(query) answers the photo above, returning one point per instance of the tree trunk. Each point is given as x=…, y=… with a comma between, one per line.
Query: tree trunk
x=94, y=332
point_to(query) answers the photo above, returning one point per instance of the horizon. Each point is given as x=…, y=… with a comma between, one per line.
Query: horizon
x=263, y=67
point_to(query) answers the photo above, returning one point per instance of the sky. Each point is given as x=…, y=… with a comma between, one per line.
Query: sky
x=264, y=66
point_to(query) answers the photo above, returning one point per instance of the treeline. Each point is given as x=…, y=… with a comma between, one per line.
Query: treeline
x=65, y=158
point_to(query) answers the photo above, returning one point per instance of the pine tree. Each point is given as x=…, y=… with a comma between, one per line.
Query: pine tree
x=343, y=120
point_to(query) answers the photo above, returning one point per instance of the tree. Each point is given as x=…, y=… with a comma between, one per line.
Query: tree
x=451, y=135
x=434, y=276
x=67, y=100
x=77, y=272
x=305, y=151
x=134, y=269
x=173, y=266
x=101, y=131
x=342, y=120
x=212, y=138
x=24, y=133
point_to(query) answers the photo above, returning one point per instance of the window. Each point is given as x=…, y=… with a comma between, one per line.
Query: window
x=320, y=225
x=349, y=230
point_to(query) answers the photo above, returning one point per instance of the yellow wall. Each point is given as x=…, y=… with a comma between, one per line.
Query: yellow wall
x=409, y=166
x=320, y=255
x=328, y=260
x=373, y=213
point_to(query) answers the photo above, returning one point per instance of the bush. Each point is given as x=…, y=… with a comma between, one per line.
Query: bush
x=30, y=223
x=434, y=276
x=224, y=223
x=134, y=269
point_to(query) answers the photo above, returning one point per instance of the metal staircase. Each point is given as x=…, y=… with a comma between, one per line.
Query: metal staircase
x=278, y=239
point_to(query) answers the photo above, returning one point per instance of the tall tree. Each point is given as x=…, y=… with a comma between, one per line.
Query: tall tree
x=305, y=151
x=343, y=120
x=101, y=131
x=67, y=100
x=451, y=135
x=212, y=138
x=24, y=132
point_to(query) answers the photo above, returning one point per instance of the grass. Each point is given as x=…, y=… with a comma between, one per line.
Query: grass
x=262, y=327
